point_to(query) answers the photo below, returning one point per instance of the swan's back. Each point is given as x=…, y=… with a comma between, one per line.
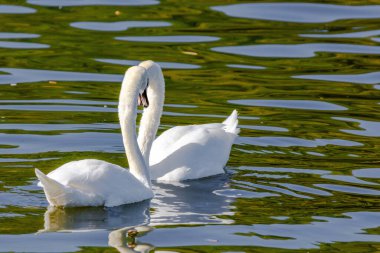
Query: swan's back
x=191, y=152
x=110, y=183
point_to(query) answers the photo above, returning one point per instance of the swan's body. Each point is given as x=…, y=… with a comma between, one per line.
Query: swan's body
x=95, y=183
x=182, y=152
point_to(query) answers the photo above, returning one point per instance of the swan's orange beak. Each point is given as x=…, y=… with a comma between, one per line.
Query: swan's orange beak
x=143, y=99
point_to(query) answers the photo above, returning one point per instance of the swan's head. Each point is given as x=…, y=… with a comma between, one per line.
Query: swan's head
x=136, y=77
x=153, y=69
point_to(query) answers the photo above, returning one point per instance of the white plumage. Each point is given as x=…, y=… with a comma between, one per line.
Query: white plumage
x=95, y=183
x=182, y=152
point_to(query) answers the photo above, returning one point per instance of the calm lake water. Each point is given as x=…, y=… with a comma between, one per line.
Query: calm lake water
x=304, y=175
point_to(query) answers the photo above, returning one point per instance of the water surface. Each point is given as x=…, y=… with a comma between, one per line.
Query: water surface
x=302, y=177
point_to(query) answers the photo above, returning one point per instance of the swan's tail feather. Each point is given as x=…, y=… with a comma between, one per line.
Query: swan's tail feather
x=53, y=189
x=231, y=123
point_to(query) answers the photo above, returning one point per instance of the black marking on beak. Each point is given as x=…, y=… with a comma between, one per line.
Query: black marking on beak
x=143, y=98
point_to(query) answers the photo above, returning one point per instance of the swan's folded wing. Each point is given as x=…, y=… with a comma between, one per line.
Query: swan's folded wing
x=197, y=151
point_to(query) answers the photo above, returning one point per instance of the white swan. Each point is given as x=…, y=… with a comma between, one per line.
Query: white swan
x=182, y=152
x=95, y=183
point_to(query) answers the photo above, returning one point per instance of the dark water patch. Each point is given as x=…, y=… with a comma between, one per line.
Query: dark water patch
x=33, y=75
x=118, y=26
x=366, y=78
x=164, y=65
x=362, y=34
x=170, y=39
x=299, y=12
x=15, y=9
x=292, y=104
x=61, y=3
x=369, y=128
x=22, y=45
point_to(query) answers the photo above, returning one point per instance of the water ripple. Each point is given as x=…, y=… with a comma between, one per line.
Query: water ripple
x=348, y=179
x=117, y=26
x=4, y=35
x=243, y=66
x=367, y=173
x=34, y=75
x=173, y=39
x=60, y=3
x=324, y=230
x=300, y=12
x=15, y=9
x=370, y=128
x=272, y=141
x=297, y=51
x=349, y=189
x=304, y=189
x=285, y=170
x=362, y=34
x=22, y=45
x=366, y=78
x=164, y=65
x=293, y=104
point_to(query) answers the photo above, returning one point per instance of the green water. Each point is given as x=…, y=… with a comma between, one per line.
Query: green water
x=303, y=175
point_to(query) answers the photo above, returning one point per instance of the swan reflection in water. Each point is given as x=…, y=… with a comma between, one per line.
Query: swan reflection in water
x=183, y=203
x=92, y=218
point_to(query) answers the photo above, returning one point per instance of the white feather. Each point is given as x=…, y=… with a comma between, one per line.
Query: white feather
x=182, y=152
x=93, y=182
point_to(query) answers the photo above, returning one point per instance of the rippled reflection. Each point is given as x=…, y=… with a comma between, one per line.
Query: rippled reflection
x=118, y=26
x=294, y=142
x=366, y=78
x=91, y=2
x=293, y=104
x=297, y=51
x=4, y=35
x=19, y=45
x=91, y=218
x=363, y=34
x=370, y=128
x=164, y=65
x=15, y=9
x=173, y=39
x=34, y=75
x=300, y=12
x=367, y=173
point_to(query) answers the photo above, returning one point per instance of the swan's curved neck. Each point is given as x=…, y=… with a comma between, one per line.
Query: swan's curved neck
x=150, y=119
x=127, y=115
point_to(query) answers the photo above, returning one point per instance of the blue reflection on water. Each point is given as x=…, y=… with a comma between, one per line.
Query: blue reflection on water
x=299, y=12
